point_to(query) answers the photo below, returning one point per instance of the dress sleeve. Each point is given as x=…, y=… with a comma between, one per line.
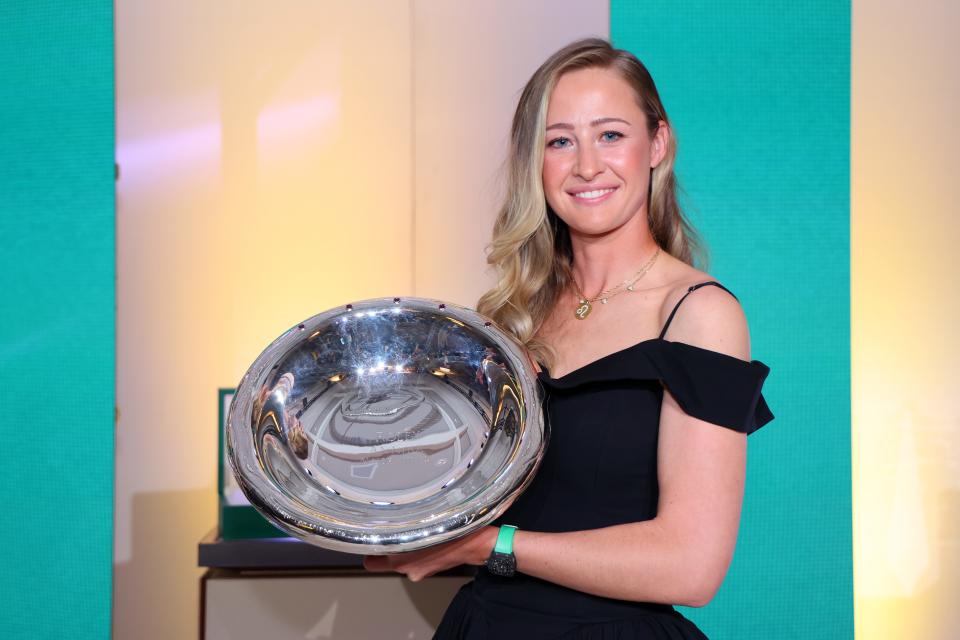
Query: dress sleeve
x=715, y=387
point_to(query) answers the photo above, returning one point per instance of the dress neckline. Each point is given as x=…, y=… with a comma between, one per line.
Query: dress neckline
x=545, y=372
x=707, y=384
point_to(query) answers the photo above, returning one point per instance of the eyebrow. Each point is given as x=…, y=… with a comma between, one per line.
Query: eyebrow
x=595, y=123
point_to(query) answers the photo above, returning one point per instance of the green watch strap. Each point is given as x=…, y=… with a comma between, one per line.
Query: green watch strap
x=505, y=539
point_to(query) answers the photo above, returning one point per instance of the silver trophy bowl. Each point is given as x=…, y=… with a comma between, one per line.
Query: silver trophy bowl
x=386, y=426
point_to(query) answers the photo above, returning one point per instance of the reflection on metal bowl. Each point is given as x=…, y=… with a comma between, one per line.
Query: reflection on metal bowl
x=387, y=425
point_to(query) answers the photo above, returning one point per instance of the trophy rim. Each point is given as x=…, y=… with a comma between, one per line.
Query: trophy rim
x=330, y=532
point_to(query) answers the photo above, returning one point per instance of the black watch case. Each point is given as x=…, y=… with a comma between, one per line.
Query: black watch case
x=502, y=564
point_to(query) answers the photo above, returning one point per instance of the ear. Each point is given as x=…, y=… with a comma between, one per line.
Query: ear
x=658, y=145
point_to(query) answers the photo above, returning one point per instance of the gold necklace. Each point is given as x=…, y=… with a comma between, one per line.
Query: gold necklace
x=584, y=307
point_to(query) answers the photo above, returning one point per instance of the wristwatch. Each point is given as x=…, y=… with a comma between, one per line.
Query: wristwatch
x=502, y=562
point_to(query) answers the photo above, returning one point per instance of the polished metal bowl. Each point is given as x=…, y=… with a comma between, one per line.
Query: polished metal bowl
x=387, y=425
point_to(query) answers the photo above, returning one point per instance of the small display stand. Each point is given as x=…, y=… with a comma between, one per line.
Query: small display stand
x=283, y=588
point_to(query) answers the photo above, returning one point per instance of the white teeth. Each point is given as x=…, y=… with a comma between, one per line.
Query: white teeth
x=586, y=195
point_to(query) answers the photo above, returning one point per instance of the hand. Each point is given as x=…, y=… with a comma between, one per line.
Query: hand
x=472, y=549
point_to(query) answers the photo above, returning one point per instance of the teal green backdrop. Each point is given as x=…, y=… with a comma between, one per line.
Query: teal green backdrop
x=759, y=96
x=57, y=328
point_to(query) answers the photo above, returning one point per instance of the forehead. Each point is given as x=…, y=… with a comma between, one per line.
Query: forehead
x=586, y=94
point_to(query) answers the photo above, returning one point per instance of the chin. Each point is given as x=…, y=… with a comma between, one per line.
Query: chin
x=594, y=227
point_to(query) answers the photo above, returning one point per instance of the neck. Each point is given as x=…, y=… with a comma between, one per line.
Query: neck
x=604, y=261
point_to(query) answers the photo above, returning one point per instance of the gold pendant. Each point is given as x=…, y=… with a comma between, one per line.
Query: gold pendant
x=583, y=310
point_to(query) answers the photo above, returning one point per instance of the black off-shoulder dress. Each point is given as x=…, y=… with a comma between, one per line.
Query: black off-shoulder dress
x=599, y=470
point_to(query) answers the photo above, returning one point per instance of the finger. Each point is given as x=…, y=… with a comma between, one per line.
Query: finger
x=376, y=563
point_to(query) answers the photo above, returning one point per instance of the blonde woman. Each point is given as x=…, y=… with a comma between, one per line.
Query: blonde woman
x=645, y=363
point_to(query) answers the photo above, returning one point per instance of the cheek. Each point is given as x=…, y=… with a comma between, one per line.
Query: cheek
x=633, y=165
x=633, y=156
x=554, y=171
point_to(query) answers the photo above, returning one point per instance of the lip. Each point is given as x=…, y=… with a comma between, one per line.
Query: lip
x=573, y=193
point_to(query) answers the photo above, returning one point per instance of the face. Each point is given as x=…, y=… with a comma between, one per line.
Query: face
x=599, y=153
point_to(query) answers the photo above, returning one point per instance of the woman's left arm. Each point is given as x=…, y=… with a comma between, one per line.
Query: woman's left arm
x=679, y=557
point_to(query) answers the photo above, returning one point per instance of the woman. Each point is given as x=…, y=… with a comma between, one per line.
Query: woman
x=645, y=363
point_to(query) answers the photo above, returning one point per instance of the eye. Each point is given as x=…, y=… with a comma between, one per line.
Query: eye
x=610, y=136
x=559, y=143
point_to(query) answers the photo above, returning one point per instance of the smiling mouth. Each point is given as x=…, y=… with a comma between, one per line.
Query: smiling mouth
x=592, y=195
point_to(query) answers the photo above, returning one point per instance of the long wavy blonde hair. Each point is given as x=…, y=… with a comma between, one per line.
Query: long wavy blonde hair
x=531, y=249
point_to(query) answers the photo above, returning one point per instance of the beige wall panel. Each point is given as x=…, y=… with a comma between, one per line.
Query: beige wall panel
x=278, y=159
x=905, y=145
x=471, y=61
x=265, y=176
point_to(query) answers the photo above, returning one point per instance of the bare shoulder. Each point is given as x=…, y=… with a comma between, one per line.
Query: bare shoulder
x=709, y=317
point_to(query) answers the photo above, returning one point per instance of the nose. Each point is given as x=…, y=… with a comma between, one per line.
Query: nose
x=589, y=163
